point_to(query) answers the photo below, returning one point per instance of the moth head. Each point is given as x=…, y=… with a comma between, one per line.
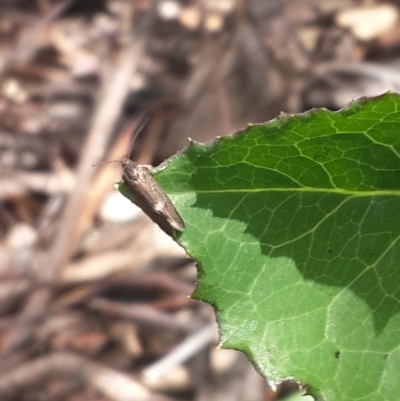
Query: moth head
x=125, y=162
x=131, y=170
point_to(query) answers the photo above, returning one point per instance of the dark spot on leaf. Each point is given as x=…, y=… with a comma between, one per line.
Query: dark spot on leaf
x=337, y=354
x=385, y=356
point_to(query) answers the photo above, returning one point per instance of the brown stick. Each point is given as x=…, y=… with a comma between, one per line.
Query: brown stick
x=141, y=314
x=113, y=384
x=106, y=115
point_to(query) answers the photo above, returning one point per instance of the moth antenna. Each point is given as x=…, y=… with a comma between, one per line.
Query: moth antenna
x=106, y=161
x=139, y=130
x=130, y=127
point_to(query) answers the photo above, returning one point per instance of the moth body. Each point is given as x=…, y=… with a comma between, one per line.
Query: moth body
x=150, y=196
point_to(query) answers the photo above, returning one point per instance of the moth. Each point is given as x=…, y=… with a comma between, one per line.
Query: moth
x=150, y=197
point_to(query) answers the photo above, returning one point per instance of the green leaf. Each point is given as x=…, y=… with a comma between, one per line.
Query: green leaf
x=295, y=226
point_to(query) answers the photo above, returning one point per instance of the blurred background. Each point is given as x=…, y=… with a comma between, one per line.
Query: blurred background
x=94, y=296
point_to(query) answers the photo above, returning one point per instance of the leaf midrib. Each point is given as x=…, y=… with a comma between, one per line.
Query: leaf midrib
x=360, y=194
